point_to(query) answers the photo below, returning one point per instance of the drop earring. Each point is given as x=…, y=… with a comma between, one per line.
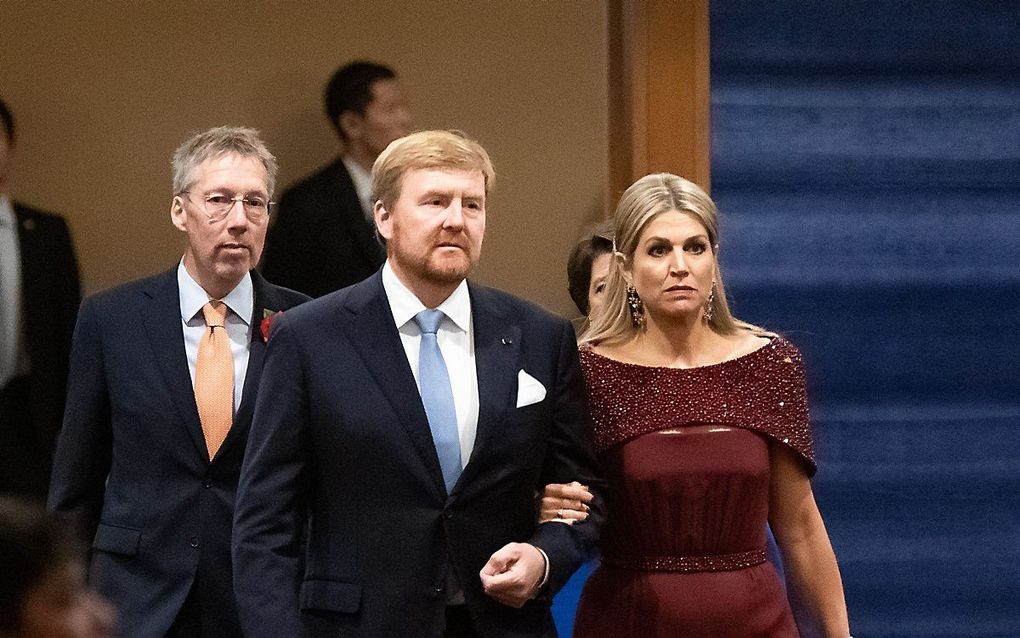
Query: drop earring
x=637, y=308
x=707, y=313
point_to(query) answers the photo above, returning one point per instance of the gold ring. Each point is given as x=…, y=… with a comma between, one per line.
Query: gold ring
x=559, y=514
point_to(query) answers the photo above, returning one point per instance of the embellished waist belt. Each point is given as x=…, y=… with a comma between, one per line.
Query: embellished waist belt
x=717, y=563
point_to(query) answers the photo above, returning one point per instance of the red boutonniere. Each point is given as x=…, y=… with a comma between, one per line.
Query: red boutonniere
x=267, y=321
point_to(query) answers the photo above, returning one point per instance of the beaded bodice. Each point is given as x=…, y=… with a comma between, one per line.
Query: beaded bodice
x=763, y=391
x=686, y=456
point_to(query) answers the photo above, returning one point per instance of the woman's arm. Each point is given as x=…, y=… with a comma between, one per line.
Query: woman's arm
x=807, y=554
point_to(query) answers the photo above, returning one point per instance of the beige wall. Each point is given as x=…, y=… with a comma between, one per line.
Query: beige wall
x=104, y=91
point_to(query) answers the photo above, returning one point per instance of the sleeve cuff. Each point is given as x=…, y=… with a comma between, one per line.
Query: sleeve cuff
x=545, y=576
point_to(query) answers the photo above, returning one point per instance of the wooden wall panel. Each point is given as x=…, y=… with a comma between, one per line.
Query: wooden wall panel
x=658, y=90
x=104, y=91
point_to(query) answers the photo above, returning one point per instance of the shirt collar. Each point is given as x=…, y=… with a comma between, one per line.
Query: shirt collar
x=405, y=305
x=7, y=219
x=362, y=180
x=240, y=300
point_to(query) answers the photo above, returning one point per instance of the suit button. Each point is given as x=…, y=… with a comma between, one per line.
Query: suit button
x=207, y=484
x=193, y=542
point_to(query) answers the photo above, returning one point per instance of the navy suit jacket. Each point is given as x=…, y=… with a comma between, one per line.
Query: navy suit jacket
x=132, y=465
x=320, y=241
x=340, y=453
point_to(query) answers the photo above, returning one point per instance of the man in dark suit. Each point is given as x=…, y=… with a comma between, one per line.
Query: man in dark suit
x=164, y=373
x=323, y=238
x=406, y=423
x=39, y=297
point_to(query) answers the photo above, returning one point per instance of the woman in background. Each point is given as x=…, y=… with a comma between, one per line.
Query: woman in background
x=701, y=424
x=42, y=579
x=588, y=267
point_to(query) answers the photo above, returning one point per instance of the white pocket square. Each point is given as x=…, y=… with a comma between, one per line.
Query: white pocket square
x=529, y=389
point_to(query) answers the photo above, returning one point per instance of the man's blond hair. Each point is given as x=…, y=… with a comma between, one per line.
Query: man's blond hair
x=438, y=149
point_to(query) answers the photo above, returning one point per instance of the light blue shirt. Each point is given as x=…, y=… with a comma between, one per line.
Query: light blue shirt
x=12, y=359
x=240, y=301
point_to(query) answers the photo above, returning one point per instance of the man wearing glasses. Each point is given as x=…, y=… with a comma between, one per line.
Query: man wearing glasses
x=164, y=374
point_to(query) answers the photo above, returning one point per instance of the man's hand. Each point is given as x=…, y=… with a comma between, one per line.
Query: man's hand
x=513, y=574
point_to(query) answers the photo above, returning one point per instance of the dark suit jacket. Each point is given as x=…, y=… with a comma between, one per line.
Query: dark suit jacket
x=132, y=463
x=50, y=296
x=320, y=241
x=341, y=439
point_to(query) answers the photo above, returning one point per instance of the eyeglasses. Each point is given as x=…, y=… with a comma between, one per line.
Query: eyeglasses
x=218, y=205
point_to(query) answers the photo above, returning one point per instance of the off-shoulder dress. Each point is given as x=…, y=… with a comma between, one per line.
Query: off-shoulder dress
x=686, y=456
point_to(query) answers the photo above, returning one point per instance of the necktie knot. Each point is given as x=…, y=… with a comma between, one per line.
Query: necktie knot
x=428, y=320
x=215, y=313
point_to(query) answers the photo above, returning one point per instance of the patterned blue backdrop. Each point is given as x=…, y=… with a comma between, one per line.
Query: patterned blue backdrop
x=866, y=159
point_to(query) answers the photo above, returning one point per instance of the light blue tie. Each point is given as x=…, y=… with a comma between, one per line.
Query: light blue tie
x=437, y=397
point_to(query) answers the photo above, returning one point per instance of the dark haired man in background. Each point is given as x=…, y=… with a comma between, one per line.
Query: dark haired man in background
x=39, y=297
x=324, y=238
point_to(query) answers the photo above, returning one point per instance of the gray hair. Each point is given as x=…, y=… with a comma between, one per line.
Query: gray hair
x=217, y=142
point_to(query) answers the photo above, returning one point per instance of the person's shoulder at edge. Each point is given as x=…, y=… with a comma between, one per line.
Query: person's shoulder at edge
x=312, y=181
x=39, y=216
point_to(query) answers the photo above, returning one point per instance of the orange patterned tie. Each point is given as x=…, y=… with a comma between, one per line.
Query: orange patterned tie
x=214, y=377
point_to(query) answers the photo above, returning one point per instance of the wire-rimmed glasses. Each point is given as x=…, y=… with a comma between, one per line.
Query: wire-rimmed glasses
x=218, y=205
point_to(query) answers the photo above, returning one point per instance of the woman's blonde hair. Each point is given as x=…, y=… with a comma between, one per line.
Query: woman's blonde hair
x=646, y=199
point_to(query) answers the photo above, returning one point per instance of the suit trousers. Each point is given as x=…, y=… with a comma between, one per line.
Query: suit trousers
x=458, y=623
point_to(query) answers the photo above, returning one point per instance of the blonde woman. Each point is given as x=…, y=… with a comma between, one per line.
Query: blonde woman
x=702, y=427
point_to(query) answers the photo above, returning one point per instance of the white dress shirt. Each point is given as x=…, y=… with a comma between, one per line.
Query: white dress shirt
x=362, y=186
x=12, y=361
x=240, y=301
x=456, y=342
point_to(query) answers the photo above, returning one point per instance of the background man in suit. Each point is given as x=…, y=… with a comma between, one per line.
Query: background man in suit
x=410, y=419
x=324, y=237
x=39, y=297
x=164, y=373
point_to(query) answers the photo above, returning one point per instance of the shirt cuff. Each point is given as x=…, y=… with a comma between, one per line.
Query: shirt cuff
x=545, y=576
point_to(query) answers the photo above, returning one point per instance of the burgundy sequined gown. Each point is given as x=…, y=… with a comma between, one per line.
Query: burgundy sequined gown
x=686, y=456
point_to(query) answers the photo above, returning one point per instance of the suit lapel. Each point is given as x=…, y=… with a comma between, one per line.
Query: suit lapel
x=376, y=339
x=161, y=316
x=264, y=300
x=497, y=337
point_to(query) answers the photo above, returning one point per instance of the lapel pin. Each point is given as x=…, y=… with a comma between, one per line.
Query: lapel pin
x=507, y=341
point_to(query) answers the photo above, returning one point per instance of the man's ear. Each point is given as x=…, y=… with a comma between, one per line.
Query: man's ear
x=351, y=124
x=178, y=215
x=383, y=220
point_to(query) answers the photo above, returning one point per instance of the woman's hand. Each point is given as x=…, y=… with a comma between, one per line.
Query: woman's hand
x=565, y=503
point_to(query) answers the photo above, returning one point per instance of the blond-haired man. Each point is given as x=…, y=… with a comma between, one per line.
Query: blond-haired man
x=406, y=422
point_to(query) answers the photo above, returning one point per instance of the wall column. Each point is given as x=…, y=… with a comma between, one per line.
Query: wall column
x=658, y=91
